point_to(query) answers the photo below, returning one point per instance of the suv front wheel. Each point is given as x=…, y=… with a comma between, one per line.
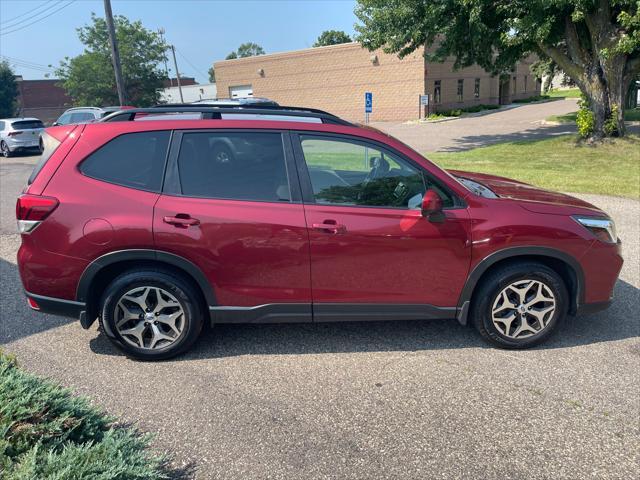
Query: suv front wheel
x=520, y=305
x=151, y=315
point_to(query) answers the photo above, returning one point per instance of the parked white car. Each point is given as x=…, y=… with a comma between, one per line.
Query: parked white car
x=18, y=134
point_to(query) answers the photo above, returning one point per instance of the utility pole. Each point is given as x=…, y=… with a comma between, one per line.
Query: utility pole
x=115, y=54
x=161, y=32
x=175, y=64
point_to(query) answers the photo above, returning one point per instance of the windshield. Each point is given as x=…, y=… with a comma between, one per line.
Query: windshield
x=27, y=124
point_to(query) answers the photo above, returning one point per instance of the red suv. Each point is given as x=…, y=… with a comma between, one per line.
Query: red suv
x=156, y=221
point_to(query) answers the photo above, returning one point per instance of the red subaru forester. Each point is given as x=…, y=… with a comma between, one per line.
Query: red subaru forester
x=155, y=221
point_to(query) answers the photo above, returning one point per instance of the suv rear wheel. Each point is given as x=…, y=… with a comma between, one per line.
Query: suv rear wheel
x=151, y=315
x=520, y=305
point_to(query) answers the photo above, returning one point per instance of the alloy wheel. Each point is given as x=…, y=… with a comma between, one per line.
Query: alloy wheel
x=149, y=318
x=523, y=309
x=5, y=149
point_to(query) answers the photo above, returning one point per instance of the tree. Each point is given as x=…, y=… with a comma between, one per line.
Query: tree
x=8, y=91
x=89, y=78
x=545, y=69
x=595, y=42
x=212, y=75
x=248, y=49
x=332, y=37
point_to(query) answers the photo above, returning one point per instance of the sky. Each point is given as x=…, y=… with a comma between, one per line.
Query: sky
x=37, y=33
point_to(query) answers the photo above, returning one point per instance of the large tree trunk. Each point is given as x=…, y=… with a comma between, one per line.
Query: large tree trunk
x=602, y=72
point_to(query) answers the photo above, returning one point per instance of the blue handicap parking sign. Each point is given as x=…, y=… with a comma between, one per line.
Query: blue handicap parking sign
x=368, y=102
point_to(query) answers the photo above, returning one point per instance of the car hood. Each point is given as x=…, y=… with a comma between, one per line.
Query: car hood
x=534, y=198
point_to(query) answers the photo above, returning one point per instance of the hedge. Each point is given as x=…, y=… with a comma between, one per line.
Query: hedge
x=47, y=433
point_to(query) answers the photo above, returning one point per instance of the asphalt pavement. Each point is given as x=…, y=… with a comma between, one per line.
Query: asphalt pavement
x=423, y=399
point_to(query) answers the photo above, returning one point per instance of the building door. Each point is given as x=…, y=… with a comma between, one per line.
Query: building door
x=504, y=93
x=241, y=91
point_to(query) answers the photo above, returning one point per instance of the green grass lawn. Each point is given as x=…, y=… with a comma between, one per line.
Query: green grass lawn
x=564, y=93
x=632, y=115
x=562, y=164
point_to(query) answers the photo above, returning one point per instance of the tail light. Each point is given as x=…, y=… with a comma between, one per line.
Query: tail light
x=14, y=133
x=31, y=210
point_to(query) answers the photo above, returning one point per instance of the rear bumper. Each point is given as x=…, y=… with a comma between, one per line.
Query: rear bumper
x=56, y=306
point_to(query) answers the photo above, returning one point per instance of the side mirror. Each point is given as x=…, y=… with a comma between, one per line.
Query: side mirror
x=432, y=206
x=55, y=124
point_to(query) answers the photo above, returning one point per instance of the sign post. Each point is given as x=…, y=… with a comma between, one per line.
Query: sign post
x=424, y=100
x=368, y=105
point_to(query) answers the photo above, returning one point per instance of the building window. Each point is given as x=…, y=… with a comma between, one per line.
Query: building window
x=525, y=83
x=460, y=89
x=436, y=92
x=476, y=89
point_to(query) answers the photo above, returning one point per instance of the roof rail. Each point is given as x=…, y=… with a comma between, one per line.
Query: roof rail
x=210, y=112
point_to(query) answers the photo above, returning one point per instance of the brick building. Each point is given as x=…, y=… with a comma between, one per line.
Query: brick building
x=335, y=78
x=43, y=99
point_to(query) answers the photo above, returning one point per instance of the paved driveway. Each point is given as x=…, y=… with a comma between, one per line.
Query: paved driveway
x=381, y=400
x=521, y=122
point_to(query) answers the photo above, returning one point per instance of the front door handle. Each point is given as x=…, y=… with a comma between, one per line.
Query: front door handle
x=181, y=220
x=329, y=226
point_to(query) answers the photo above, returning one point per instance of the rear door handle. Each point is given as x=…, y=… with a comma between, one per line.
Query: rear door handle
x=181, y=220
x=329, y=227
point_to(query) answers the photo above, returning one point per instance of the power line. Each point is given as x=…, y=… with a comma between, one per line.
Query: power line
x=3, y=22
x=28, y=65
x=191, y=64
x=37, y=20
x=31, y=17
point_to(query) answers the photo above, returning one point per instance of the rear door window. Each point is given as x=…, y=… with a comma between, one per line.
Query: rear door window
x=133, y=160
x=230, y=165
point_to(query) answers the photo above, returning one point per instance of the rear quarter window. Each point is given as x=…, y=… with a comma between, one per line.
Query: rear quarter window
x=134, y=160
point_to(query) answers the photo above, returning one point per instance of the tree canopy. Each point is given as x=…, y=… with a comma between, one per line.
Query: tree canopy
x=89, y=78
x=595, y=42
x=248, y=49
x=332, y=37
x=212, y=75
x=8, y=91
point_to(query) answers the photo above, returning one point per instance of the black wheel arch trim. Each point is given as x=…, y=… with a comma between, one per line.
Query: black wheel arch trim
x=89, y=274
x=513, y=252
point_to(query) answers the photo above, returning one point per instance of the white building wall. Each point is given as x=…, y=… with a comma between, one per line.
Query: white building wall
x=190, y=93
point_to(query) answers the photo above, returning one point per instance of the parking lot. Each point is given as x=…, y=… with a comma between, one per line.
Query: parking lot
x=423, y=399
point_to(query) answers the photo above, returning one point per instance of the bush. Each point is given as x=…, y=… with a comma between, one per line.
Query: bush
x=46, y=433
x=585, y=119
x=610, y=126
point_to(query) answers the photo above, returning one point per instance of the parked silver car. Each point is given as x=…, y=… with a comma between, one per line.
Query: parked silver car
x=18, y=134
x=85, y=114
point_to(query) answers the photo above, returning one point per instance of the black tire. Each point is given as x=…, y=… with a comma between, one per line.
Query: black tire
x=499, y=279
x=4, y=150
x=180, y=288
x=41, y=147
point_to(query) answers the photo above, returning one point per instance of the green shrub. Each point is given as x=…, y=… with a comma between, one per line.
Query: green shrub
x=610, y=126
x=46, y=433
x=585, y=119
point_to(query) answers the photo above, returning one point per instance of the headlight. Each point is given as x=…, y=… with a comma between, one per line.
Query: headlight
x=603, y=228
